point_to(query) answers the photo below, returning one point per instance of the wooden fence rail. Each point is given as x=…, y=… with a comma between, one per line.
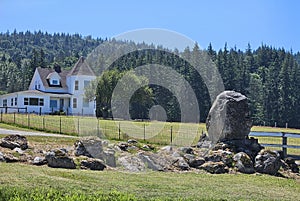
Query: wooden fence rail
x=284, y=142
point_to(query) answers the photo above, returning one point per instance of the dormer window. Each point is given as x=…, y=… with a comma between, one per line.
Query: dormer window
x=54, y=79
x=55, y=82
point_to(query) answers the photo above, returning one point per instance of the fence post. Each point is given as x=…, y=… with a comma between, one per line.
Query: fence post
x=28, y=120
x=78, y=125
x=171, y=135
x=98, y=127
x=43, y=123
x=60, y=124
x=144, y=132
x=14, y=118
x=119, y=131
x=284, y=144
x=1, y=115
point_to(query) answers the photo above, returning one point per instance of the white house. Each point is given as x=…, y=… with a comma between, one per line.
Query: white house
x=54, y=90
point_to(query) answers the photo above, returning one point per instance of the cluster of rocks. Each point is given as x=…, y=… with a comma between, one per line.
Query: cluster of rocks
x=225, y=149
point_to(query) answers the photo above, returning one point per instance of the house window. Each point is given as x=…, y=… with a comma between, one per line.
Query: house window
x=34, y=101
x=85, y=103
x=86, y=83
x=12, y=102
x=41, y=102
x=26, y=101
x=16, y=101
x=76, y=84
x=4, y=102
x=74, y=102
x=55, y=82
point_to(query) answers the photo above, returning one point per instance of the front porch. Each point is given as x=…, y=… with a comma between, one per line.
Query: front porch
x=59, y=105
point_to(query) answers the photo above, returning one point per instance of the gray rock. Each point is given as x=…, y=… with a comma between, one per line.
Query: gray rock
x=228, y=117
x=243, y=163
x=132, y=163
x=132, y=141
x=2, y=157
x=92, y=164
x=267, y=162
x=214, y=167
x=110, y=159
x=194, y=162
x=9, y=158
x=291, y=163
x=123, y=146
x=150, y=162
x=90, y=147
x=167, y=149
x=13, y=141
x=186, y=150
x=18, y=150
x=183, y=165
x=59, y=159
x=39, y=161
x=213, y=157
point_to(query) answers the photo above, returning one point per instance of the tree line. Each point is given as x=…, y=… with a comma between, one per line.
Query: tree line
x=268, y=76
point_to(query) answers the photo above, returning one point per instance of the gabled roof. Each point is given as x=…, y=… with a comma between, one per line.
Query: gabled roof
x=45, y=72
x=81, y=68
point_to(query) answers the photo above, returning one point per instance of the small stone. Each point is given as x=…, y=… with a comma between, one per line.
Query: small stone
x=182, y=164
x=92, y=164
x=13, y=141
x=9, y=158
x=123, y=146
x=2, y=157
x=18, y=150
x=132, y=141
x=39, y=161
x=214, y=167
x=243, y=163
x=186, y=150
x=292, y=164
x=168, y=149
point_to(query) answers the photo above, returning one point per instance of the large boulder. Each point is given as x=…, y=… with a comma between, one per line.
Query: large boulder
x=267, y=162
x=59, y=159
x=14, y=141
x=228, y=117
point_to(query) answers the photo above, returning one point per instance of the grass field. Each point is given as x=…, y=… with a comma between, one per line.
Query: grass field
x=27, y=182
x=147, y=186
x=181, y=134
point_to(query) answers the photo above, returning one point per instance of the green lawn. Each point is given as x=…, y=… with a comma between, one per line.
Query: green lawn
x=150, y=185
x=153, y=132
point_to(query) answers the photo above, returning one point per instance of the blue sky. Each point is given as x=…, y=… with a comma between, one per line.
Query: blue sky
x=272, y=22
